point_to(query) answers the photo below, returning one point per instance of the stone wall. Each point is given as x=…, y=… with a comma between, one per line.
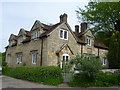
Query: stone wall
x=25, y=49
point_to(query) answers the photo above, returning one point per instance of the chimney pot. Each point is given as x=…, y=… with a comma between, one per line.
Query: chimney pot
x=76, y=29
x=63, y=18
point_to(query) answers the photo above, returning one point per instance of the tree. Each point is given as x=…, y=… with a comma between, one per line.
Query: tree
x=4, y=63
x=114, y=51
x=103, y=16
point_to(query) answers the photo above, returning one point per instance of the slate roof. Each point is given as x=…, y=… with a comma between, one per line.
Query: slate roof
x=48, y=29
x=97, y=43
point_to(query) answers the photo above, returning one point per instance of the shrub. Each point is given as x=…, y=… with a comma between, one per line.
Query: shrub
x=89, y=65
x=46, y=74
x=102, y=80
x=4, y=63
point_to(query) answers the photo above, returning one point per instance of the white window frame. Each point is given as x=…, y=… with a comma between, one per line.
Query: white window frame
x=35, y=35
x=64, y=55
x=34, y=57
x=63, y=34
x=19, y=58
x=104, y=61
x=89, y=41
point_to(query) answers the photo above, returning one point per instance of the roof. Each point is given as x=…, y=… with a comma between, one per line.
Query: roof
x=49, y=28
x=26, y=40
x=28, y=33
x=79, y=39
x=97, y=43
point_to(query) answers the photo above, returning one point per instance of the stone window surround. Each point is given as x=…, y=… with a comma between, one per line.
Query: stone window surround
x=35, y=35
x=19, y=58
x=20, y=39
x=104, y=61
x=34, y=57
x=62, y=34
x=89, y=41
x=8, y=58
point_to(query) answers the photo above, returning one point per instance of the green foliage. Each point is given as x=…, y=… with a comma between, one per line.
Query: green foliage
x=3, y=56
x=104, y=18
x=114, y=51
x=46, y=74
x=103, y=15
x=4, y=63
x=89, y=65
x=24, y=64
x=102, y=80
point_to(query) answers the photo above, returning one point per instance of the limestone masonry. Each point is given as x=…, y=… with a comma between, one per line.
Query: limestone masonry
x=46, y=45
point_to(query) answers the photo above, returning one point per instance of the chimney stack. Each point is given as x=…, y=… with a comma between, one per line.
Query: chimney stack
x=76, y=29
x=83, y=26
x=63, y=18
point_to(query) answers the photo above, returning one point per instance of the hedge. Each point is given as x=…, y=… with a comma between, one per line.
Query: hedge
x=102, y=80
x=46, y=74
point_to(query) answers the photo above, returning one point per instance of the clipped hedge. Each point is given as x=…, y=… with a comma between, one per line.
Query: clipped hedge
x=46, y=74
x=102, y=80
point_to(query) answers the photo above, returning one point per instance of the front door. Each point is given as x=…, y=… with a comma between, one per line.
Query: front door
x=64, y=60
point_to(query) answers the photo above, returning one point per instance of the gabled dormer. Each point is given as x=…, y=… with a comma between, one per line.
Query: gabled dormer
x=85, y=35
x=23, y=35
x=13, y=40
x=37, y=30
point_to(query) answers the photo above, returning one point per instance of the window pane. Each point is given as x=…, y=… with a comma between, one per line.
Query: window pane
x=66, y=58
x=61, y=33
x=34, y=58
x=63, y=58
x=65, y=34
x=21, y=58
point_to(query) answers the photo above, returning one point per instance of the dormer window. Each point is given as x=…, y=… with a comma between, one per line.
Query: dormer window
x=35, y=35
x=64, y=34
x=20, y=40
x=10, y=43
x=89, y=41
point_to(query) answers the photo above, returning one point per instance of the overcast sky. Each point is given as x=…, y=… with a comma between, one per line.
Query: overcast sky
x=16, y=15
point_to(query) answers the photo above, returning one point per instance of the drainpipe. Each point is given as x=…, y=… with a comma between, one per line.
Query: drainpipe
x=98, y=51
x=41, y=51
x=81, y=49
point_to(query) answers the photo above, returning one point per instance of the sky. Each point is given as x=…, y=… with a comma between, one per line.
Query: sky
x=22, y=14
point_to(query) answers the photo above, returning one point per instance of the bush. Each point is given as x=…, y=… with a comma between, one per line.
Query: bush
x=4, y=63
x=102, y=80
x=89, y=65
x=46, y=74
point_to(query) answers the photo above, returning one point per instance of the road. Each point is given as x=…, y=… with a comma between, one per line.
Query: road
x=9, y=82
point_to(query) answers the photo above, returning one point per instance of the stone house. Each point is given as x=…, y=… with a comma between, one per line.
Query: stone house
x=47, y=45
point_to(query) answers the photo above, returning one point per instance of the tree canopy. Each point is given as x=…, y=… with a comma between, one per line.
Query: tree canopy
x=104, y=18
x=114, y=51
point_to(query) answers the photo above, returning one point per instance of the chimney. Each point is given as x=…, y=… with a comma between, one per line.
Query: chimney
x=63, y=18
x=83, y=26
x=76, y=29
